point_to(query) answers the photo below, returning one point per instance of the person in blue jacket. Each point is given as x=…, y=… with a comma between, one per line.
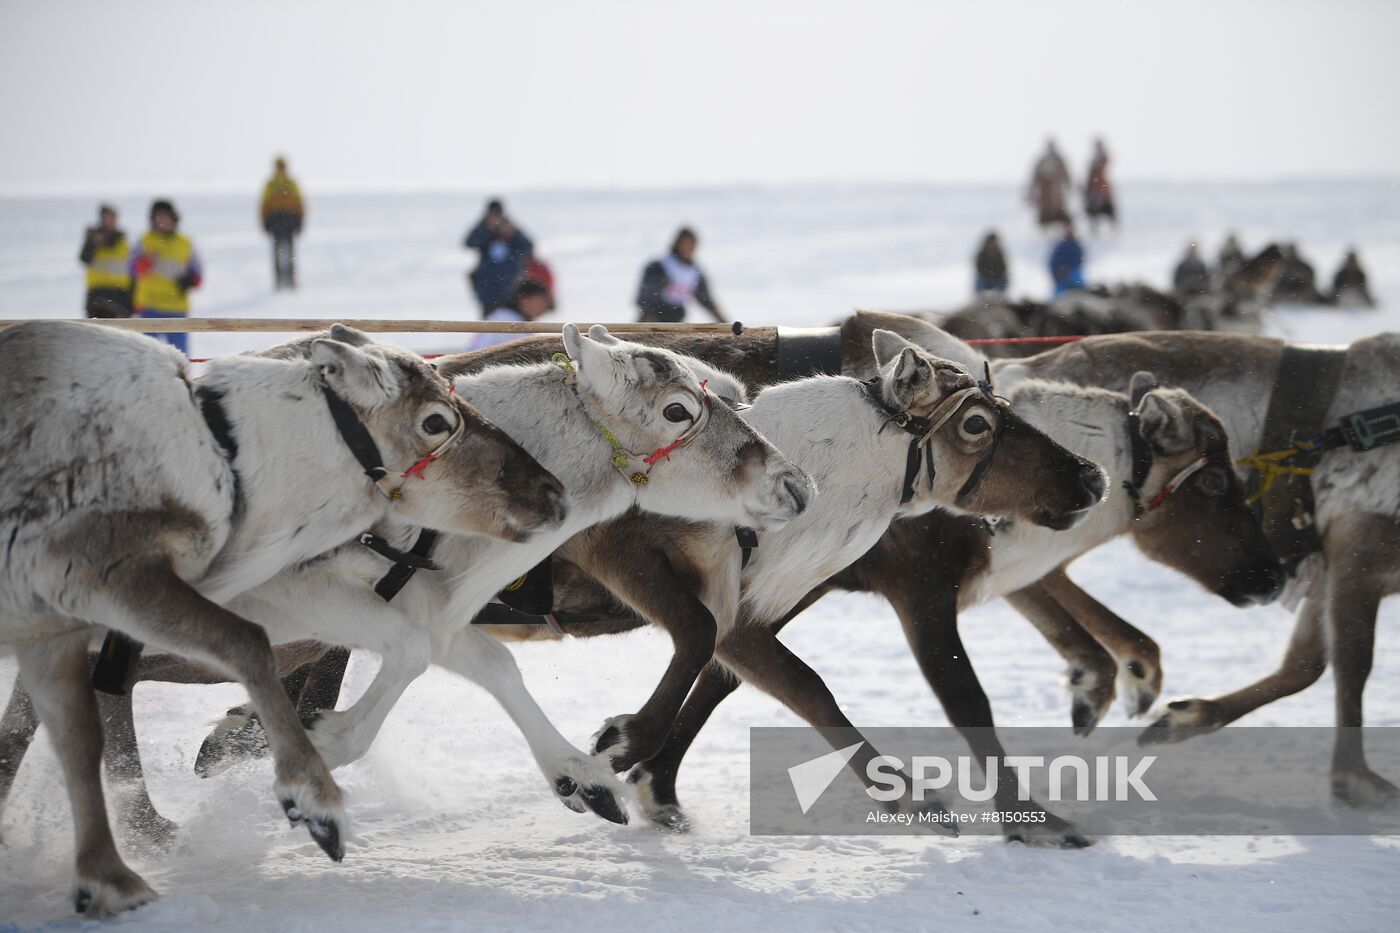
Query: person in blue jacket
x=1067, y=263
x=504, y=250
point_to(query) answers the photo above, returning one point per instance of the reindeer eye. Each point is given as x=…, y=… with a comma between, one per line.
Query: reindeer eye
x=436, y=424
x=676, y=412
x=976, y=425
x=1213, y=482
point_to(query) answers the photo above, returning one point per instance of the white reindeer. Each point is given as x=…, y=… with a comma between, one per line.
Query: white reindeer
x=581, y=417
x=138, y=500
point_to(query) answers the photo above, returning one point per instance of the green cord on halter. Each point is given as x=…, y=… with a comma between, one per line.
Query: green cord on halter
x=621, y=458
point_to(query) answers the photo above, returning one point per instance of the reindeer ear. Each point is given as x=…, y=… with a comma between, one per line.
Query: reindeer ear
x=342, y=334
x=600, y=333
x=910, y=381
x=887, y=345
x=362, y=379
x=1164, y=424
x=1141, y=383
x=592, y=358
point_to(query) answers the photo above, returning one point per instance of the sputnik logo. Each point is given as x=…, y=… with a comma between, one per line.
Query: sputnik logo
x=811, y=778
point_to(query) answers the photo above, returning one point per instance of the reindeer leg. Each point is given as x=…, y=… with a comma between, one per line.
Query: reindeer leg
x=655, y=778
x=1092, y=673
x=1302, y=665
x=649, y=583
x=17, y=729
x=155, y=606
x=929, y=616
x=754, y=653
x=579, y=781
x=1139, y=659
x=137, y=815
x=57, y=673
x=1356, y=576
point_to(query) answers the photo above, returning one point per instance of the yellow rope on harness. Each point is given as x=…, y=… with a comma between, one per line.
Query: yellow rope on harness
x=620, y=455
x=1270, y=466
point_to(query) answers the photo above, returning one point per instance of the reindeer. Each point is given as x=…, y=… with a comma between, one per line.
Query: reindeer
x=1357, y=516
x=140, y=500
x=582, y=416
x=1187, y=506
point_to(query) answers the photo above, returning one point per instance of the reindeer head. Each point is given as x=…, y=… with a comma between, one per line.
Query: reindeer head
x=688, y=452
x=1203, y=526
x=986, y=459
x=449, y=468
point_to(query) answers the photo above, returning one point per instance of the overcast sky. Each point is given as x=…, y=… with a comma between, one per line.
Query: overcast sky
x=134, y=94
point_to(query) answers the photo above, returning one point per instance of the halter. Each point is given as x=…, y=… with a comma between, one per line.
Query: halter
x=634, y=466
x=366, y=451
x=1143, y=459
x=923, y=427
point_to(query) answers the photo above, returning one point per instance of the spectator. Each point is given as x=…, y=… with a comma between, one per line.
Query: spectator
x=107, y=255
x=282, y=215
x=1232, y=258
x=1297, y=283
x=537, y=270
x=1191, y=277
x=503, y=248
x=531, y=303
x=1349, y=284
x=1049, y=183
x=669, y=282
x=990, y=266
x=1067, y=263
x=165, y=268
x=1098, y=191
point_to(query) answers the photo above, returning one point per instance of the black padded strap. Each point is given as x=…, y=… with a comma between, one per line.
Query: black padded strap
x=115, y=672
x=398, y=576
x=532, y=593
x=1303, y=390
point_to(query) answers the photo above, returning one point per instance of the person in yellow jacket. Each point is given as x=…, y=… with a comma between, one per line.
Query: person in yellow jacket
x=107, y=255
x=165, y=268
x=282, y=216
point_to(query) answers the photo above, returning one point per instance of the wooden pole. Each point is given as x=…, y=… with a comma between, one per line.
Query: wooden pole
x=291, y=325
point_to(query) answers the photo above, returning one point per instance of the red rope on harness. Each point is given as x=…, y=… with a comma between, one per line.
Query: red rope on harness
x=681, y=441
x=418, y=468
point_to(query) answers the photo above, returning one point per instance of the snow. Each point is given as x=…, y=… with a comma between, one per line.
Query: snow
x=455, y=829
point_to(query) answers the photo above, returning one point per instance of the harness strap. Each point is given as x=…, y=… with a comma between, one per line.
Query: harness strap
x=405, y=564
x=501, y=614
x=356, y=435
x=1303, y=390
x=1142, y=462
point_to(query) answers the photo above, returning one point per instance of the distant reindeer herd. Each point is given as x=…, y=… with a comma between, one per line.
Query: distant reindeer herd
x=258, y=521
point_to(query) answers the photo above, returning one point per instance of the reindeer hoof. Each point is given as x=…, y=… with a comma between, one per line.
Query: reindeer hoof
x=324, y=830
x=237, y=737
x=670, y=818
x=1364, y=789
x=1182, y=720
x=587, y=789
x=97, y=898
x=1084, y=716
x=1139, y=692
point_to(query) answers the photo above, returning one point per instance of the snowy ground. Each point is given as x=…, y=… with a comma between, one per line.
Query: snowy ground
x=454, y=829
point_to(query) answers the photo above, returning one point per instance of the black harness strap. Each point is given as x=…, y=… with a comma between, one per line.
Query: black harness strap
x=917, y=427
x=406, y=564
x=1142, y=460
x=806, y=351
x=1303, y=390
x=1366, y=430
x=356, y=435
